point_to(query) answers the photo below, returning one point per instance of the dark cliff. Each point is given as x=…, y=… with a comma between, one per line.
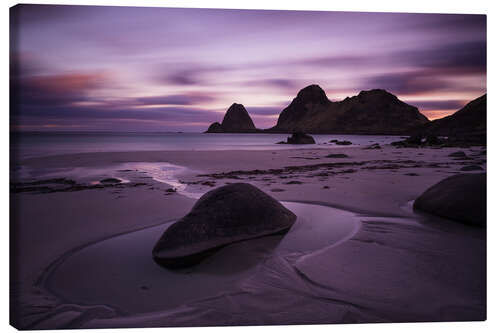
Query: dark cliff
x=236, y=120
x=371, y=112
x=468, y=121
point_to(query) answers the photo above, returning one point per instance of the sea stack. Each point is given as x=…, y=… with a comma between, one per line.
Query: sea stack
x=236, y=120
x=226, y=215
x=300, y=112
x=371, y=112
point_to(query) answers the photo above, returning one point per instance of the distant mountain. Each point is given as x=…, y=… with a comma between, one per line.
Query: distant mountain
x=468, y=122
x=236, y=120
x=371, y=112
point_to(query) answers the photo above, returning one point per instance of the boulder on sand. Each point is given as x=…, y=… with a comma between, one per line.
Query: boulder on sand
x=300, y=138
x=222, y=216
x=461, y=198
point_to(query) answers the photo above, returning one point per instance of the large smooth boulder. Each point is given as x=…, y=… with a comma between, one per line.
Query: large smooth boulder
x=222, y=216
x=461, y=198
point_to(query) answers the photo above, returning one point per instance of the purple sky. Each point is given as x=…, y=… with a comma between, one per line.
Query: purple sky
x=167, y=69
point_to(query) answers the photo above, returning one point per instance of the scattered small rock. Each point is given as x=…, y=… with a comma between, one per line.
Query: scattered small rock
x=418, y=140
x=305, y=158
x=471, y=168
x=294, y=182
x=336, y=156
x=57, y=185
x=344, y=143
x=373, y=146
x=138, y=184
x=432, y=140
x=457, y=154
x=299, y=138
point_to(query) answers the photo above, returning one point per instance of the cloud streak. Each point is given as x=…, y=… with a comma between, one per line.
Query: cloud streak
x=181, y=67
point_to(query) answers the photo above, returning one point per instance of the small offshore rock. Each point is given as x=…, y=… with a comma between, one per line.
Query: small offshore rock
x=110, y=181
x=300, y=138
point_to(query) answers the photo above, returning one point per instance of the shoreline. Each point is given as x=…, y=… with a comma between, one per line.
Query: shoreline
x=275, y=171
x=31, y=146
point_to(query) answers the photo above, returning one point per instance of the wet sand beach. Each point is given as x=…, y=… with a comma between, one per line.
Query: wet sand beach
x=358, y=252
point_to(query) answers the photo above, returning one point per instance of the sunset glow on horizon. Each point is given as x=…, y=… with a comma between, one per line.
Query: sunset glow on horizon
x=174, y=69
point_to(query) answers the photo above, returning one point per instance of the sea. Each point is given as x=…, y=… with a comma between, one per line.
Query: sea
x=39, y=144
x=28, y=145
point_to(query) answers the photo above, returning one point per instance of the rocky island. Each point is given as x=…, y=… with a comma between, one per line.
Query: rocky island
x=374, y=111
x=371, y=112
x=236, y=120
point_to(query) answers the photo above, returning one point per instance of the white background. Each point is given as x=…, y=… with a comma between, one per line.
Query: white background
x=420, y=6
